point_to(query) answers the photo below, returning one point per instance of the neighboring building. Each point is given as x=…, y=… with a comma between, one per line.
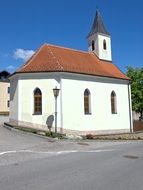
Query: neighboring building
x=94, y=94
x=4, y=93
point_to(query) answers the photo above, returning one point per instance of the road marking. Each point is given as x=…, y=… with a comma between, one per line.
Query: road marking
x=25, y=151
x=58, y=152
x=100, y=150
x=7, y=152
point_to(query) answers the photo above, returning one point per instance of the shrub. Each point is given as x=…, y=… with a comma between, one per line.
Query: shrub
x=49, y=133
x=90, y=136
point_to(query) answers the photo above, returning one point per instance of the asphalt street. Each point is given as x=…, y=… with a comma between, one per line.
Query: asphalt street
x=28, y=162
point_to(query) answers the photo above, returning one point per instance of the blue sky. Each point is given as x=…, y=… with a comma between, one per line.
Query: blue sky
x=26, y=24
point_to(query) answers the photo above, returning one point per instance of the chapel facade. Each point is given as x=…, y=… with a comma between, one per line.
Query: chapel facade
x=94, y=95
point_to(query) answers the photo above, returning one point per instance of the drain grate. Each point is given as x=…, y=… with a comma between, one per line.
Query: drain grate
x=131, y=157
x=84, y=144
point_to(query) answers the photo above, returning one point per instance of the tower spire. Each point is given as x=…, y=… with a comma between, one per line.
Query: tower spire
x=99, y=39
x=98, y=25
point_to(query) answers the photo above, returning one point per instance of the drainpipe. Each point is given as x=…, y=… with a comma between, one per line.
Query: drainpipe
x=130, y=107
x=61, y=104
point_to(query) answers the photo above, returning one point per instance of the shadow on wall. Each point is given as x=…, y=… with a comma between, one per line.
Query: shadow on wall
x=13, y=89
x=49, y=122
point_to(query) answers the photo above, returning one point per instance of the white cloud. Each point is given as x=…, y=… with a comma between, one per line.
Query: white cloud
x=10, y=68
x=23, y=54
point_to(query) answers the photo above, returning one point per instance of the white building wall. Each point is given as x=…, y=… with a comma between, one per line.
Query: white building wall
x=100, y=117
x=96, y=45
x=104, y=54
x=25, y=107
x=98, y=42
x=70, y=102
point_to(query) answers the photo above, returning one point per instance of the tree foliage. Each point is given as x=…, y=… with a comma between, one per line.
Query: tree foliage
x=136, y=76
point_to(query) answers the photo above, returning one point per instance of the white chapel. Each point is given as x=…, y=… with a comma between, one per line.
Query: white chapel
x=94, y=95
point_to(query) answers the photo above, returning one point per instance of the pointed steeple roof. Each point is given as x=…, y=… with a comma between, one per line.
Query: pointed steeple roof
x=98, y=26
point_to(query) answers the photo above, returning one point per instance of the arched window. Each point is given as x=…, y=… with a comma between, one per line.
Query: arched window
x=87, y=108
x=113, y=102
x=37, y=101
x=93, y=45
x=104, y=44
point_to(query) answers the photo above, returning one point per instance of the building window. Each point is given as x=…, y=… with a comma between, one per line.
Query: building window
x=113, y=103
x=104, y=45
x=87, y=109
x=93, y=45
x=8, y=90
x=8, y=103
x=37, y=101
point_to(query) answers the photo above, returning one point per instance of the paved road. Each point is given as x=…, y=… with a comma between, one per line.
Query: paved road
x=4, y=119
x=32, y=163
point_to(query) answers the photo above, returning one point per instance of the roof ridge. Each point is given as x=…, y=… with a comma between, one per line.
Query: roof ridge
x=82, y=51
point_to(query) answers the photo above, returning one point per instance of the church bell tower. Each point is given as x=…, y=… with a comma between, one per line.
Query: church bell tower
x=99, y=40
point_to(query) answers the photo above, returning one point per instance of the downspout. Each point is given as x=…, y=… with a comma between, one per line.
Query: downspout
x=130, y=107
x=61, y=105
x=18, y=101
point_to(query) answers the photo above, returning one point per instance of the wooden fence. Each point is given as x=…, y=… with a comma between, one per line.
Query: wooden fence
x=137, y=125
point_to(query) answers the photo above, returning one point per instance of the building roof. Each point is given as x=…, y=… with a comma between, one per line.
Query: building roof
x=98, y=26
x=50, y=58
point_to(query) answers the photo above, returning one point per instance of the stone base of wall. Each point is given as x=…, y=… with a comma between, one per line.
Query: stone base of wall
x=65, y=131
x=28, y=125
x=96, y=132
x=33, y=125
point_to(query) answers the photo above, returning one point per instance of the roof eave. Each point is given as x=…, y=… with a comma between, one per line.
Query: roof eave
x=56, y=71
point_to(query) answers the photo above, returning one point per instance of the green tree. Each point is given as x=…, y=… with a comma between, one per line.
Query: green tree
x=136, y=76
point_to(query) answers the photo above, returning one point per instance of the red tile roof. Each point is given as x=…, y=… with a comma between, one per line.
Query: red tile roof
x=50, y=58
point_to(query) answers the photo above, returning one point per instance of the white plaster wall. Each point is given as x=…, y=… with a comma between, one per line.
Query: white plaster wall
x=104, y=54
x=45, y=83
x=70, y=101
x=101, y=117
x=100, y=52
x=90, y=39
